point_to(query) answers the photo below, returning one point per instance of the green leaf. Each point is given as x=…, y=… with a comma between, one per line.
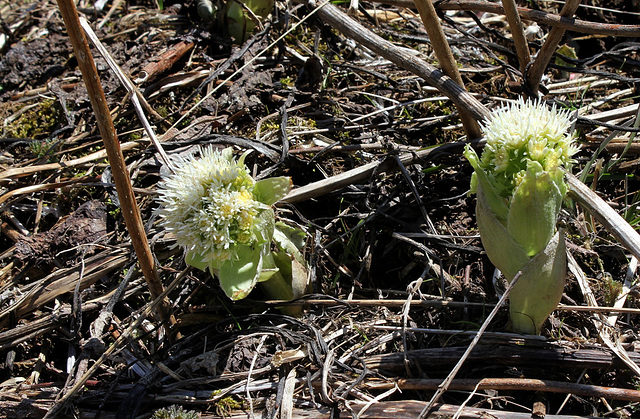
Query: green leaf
x=277, y=287
x=290, y=260
x=505, y=253
x=534, y=209
x=239, y=275
x=290, y=239
x=565, y=51
x=291, y=280
x=496, y=203
x=195, y=259
x=271, y=190
x=294, y=273
x=539, y=289
x=267, y=274
x=283, y=262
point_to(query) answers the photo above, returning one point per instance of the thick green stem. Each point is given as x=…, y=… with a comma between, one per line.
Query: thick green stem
x=278, y=288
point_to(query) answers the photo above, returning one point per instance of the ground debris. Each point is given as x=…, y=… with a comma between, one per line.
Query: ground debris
x=78, y=233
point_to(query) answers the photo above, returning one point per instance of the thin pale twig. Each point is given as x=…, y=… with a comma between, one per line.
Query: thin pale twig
x=136, y=96
x=98, y=155
x=441, y=303
x=358, y=174
x=606, y=215
x=47, y=186
x=263, y=339
x=528, y=384
x=605, y=330
x=447, y=381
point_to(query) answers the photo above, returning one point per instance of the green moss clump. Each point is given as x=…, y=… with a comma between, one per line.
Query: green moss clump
x=611, y=290
x=37, y=122
x=226, y=405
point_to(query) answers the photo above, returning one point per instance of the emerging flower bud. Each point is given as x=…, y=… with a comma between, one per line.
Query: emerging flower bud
x=520, y=187
x=208, y=204
x=222, y=217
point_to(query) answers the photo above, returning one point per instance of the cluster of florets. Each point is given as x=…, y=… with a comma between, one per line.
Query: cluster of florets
x=208, y=204
x=524, y=132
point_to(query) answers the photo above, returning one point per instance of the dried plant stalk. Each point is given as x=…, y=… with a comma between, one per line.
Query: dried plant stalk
x=27, y=170
x=607, y=216
x=445, y=58
x=550, y=19
x=333, y=16
x=517, y=31
x=548, y=48
x=121, y=177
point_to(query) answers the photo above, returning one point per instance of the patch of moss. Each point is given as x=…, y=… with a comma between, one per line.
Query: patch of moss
x=226, y=405
x=611, y=289
x=37, y=122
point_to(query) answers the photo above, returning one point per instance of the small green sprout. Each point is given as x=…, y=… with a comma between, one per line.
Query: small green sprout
x=242, y=17
x=519, y=181
x=224, y=221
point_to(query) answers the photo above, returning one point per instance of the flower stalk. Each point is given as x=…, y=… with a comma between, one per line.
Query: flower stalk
x=519, y=182
x=225, y=222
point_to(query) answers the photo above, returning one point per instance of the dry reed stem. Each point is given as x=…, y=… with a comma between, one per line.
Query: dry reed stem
x=121, y=177
x=607, y=216
x=136, y=97
x=548, y=48
x=517, y=31
x=446, y=59
x=438, y=303
x=523, y=384
x=550, y=19
x=599, y=320
x=322, y=187
x=334, y=17
x=45, y=187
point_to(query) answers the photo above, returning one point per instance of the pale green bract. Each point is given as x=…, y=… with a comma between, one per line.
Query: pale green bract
x=520, y=187
x=223, y=218
x=241, y=18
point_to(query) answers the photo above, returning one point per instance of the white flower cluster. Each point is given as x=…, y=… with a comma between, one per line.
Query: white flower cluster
x=208, y=204
x=527, y=131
